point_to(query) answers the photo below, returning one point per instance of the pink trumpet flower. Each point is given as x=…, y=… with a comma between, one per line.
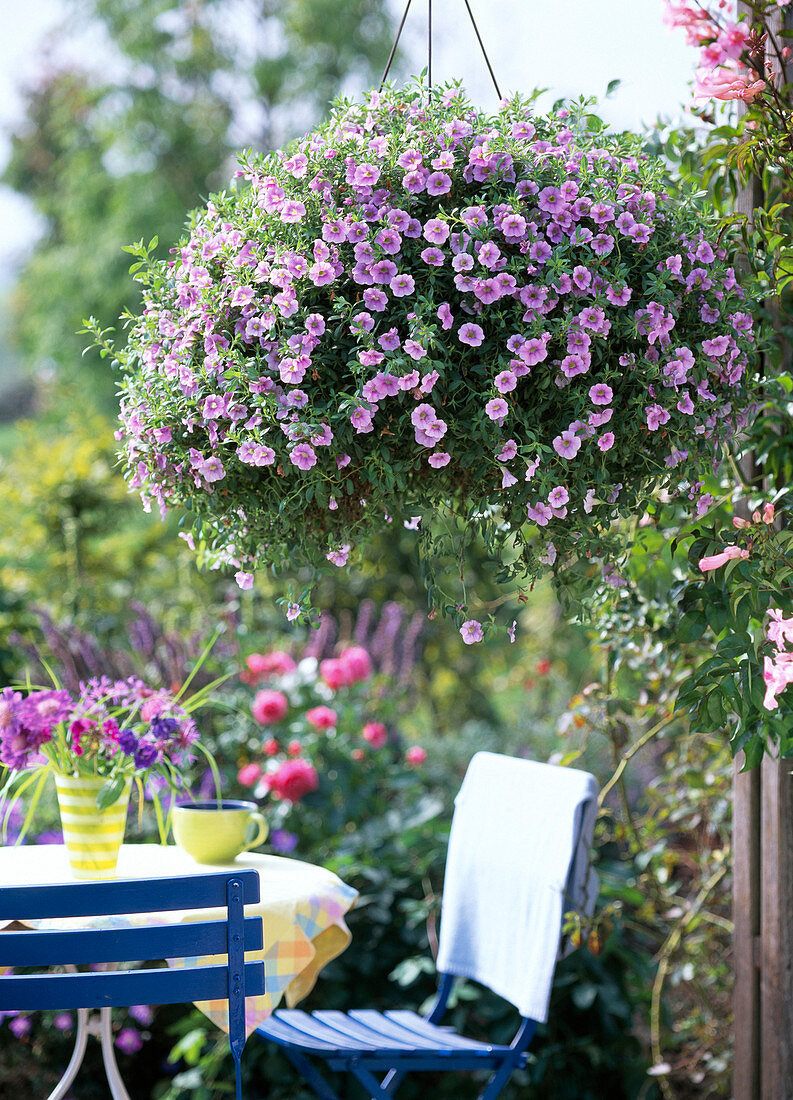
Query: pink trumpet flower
x=716, y=561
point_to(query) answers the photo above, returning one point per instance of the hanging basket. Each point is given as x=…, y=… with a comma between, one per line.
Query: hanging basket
x=420, y=312
x=92, y=837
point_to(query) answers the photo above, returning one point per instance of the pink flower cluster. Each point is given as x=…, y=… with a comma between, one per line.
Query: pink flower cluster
x=423, y=304
x=778, y=669
x=725, y=71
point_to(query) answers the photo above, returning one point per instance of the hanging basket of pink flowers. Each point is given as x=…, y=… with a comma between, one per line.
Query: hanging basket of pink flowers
x=423, y=316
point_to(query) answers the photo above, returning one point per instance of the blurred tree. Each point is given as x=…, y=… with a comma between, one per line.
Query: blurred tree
x=120, y=151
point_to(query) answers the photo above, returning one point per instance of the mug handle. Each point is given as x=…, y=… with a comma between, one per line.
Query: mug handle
x=261, y=831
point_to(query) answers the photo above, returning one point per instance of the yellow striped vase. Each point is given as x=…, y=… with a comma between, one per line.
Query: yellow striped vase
x=92, y=837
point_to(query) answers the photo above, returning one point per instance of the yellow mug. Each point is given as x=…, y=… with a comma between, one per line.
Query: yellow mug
x=216, y=832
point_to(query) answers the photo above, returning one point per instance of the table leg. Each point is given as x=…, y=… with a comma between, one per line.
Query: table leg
x=117, y=1090
x=80, y=1041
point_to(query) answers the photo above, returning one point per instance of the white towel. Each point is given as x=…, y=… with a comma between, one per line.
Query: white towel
x=518, y=859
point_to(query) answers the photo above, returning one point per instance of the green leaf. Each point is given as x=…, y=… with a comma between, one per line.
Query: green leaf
x=110, y=792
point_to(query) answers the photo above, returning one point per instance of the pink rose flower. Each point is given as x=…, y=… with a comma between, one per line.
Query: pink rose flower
x=293, y=780
x=334, y=673
x=269, y=706
x=375, y=733
x=248, y=775
x=321, y=718
x=415, y=755
x=357, y=663
x=274, y=663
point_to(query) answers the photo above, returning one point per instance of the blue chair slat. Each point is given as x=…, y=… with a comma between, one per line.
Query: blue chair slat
x=227, y=891
x=389, y=1030
x=51, y=948
x=309, y=1031
x=282, y=1032
x=442, y=1035
x=351, y=1028
x=154, y=895
x=112, y=990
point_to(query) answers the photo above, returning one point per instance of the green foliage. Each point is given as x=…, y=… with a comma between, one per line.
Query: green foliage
x=72, y=541
x=109, y=162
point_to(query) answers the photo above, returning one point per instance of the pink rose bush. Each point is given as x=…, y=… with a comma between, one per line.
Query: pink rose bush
x=419, y=309
x=328, y=757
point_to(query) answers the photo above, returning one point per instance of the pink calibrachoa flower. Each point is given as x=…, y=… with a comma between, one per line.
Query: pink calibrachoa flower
x=438, y=459
x=303, y=456
x=600, y=394
x=716, y=561
x=402, y=285
x=606, y=441
x=505, y=381
x=339, y=557
x=211, y=469
x=415, y=755
x=539, y=513
x=436, y=231
x=322, y=718
x=244, y=580
x=497, y=409
x=567, y=445
x=293, y=611
x=472, y=631
x=470, y=334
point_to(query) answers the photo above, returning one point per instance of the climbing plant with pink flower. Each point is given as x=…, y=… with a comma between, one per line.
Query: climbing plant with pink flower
x=420, y=310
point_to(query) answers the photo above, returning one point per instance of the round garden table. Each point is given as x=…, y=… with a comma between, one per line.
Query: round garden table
x=302, y=908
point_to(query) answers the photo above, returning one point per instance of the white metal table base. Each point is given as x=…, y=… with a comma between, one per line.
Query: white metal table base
x=117, y=1089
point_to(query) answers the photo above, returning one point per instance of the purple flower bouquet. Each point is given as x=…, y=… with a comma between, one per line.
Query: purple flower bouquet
x=111, y=731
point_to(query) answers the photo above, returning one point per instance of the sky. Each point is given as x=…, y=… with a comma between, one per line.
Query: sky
x=571, y=47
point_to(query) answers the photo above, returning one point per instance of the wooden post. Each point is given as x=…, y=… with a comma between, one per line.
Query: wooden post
x=762, y=899
x=746, y=848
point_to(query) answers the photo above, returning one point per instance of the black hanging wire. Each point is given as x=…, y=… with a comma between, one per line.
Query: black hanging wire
x=429, y=45
x=396, y=43
x=482, y=48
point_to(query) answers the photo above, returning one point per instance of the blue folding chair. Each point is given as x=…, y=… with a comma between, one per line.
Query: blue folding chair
x=231, y=936
x=519, y=845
